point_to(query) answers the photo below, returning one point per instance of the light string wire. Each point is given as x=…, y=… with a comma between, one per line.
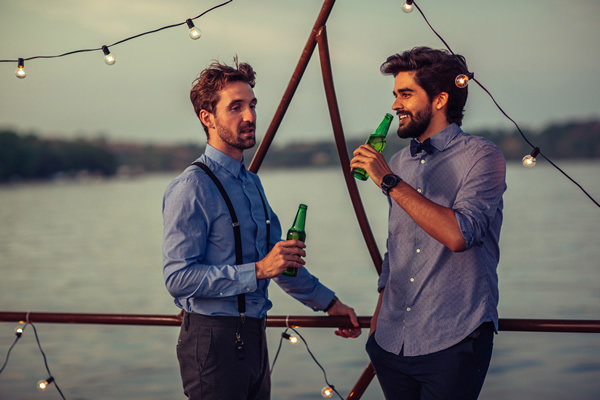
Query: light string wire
x=123, y=40
x=505, y=114
x=8, y=353
x=309, y=352
x=37, y=339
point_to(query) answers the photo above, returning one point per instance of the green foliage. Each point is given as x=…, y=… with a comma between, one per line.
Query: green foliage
x=28, y=158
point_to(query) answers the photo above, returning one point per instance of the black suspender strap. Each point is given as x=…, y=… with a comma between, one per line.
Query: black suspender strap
x=236, y=228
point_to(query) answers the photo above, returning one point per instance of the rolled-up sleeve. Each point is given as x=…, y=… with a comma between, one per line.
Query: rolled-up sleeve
x=479, y=198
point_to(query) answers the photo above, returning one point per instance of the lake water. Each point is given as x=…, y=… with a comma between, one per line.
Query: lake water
x=96, y=247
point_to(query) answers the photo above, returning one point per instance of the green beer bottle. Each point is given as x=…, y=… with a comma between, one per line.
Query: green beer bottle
x=377, y=140
x=297, y=232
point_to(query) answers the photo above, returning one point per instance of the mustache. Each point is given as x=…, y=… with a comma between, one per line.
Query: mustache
x=248, y=125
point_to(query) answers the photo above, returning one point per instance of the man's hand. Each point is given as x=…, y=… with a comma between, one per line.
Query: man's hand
x=369, y=159
x=283, y=255
x=339, y=308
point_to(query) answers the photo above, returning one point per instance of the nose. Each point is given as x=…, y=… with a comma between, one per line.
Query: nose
x=397, y=104
x=250, y=114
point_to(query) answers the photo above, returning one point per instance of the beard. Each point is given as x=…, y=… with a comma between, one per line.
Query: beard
x=235, y=139
x=418, y=124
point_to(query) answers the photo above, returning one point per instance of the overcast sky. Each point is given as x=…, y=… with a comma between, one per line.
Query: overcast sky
x=539, y=58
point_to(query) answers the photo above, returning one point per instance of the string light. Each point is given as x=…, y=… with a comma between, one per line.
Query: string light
x=20, y=72
x=19, y=329
x=109, y=59
x=293, y=339
x=462, y=80
x=529, y=160
x=194, y=32
x=503, y=112
x=407, y=7
x=43, y=384
x=327, y=392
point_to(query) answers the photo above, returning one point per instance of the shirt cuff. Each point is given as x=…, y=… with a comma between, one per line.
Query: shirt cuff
x=247, y=277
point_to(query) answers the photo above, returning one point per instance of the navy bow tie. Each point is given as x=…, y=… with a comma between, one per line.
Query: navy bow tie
x=416, y=147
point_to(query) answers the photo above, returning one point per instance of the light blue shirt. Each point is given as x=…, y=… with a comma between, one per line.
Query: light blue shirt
x=434, y=297
x=199, y=248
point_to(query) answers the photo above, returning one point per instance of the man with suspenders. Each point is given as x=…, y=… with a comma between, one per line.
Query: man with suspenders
x=222, y=246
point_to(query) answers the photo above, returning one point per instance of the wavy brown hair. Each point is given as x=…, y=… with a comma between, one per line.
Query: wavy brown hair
x=205, y=91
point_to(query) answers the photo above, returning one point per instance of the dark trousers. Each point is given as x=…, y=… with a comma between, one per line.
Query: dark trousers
x=209, y=358
x=456, y=373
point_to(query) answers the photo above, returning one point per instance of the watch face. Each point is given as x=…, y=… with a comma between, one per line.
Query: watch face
x=389, y=180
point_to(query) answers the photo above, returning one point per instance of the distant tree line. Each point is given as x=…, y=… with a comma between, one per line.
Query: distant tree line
x=28, y=157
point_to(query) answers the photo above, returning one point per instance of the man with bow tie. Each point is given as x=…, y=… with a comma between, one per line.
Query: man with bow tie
x=433, y=327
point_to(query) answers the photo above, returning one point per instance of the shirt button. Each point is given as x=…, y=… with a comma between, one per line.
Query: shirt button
x=408, y=309
x=221, y=294
x=412, y=279
x=419, y=190
x=418, y=251
x=247, y=289
x=422, y=161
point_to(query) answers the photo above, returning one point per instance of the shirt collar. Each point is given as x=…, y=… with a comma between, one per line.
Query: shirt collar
x=230, y=164
x=441, y=139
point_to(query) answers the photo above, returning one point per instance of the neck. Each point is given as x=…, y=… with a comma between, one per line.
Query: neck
x=438, y=122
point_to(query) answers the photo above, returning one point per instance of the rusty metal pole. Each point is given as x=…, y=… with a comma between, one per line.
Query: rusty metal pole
x=291, y=88
x=340, y=142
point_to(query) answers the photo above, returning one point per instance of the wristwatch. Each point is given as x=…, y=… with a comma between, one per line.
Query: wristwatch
x=388, y=182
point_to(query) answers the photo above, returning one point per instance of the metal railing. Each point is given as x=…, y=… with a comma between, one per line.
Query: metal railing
x=505, y=324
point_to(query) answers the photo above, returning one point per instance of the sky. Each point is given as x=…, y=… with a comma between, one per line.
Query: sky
x=538, y=58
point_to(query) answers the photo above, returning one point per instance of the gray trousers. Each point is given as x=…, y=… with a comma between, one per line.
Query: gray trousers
x=212, y=366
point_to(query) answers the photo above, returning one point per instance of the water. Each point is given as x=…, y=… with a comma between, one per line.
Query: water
x=96, y=247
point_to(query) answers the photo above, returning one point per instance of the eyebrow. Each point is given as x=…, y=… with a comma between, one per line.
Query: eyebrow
x=241, y=101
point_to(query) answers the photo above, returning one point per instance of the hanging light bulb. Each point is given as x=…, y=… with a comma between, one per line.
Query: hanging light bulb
x=20, y=72
x=408, y=7
x=529, y=160
x=462, y=80
x=327, y=392
x=43, y=384
x=19, y=329
x=109, y=59
x=194, y=32
x=292, y=338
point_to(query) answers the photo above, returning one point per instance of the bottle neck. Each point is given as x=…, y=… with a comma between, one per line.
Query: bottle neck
x=300, y=219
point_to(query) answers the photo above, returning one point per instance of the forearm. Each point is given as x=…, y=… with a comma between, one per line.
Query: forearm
x=209, y=281
x=437, y=221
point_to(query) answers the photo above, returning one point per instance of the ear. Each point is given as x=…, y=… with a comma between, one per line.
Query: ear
x=206, y=118
x=440, y=100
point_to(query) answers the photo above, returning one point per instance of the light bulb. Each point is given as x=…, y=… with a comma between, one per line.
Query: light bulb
x=43, y=384
x=109, y=59
x=20, y=72
x=408, y=7
x=194, y=32
x=529, y=160
x=293, y=339
x=462, y=81
x=327, y=392
x=19, y=329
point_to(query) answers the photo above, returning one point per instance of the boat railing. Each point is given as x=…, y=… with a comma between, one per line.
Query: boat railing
x=295, y=321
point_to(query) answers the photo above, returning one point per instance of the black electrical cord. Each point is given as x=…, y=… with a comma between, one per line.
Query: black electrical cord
x=8, y=353
x=505, y=114
x=121, y=41
x=37, y=339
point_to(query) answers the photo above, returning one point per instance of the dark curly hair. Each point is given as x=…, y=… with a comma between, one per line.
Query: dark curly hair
x=205, y=91
x=435, y=72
